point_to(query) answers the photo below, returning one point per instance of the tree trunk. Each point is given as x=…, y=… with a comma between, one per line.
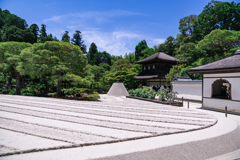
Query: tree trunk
x=8, y=82
x=18, y=84
x=59, y=85
x=47, y=87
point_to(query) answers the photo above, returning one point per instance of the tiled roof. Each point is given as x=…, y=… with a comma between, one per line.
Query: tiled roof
x=158, y=56
x=232, y=62
x=191, y=81
x=181, y=79
x=147, y=76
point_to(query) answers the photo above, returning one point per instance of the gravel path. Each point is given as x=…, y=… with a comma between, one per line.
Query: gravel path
x=70, y=123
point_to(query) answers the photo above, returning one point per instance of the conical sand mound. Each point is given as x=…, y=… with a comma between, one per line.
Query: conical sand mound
x=118, y=89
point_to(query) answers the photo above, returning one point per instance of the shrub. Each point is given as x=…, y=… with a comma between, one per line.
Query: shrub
x=94, y=96
x=152, y=94
x=52, y=94
x=27, y=92
x=138, y=92
x=5, y=91
x=162, y=94
x=131, y=92
x=13, y=91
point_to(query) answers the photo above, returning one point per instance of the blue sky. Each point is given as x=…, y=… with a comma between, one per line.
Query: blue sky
x=115, y=26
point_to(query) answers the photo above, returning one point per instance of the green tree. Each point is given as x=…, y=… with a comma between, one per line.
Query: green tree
x=168, y=46
x=43, y=32
x=61, y=60
x=10, y=59
x=222, y=39
x=120, y=64
x=92, y=53
x=174, y=71
x=65, y=37
x=12, y=33
x=187, y=24
x=35, y=31
x=218, y=15
x=139, y=48
x=130, y=57
x=77, y=40
x=125, y=76
x=190, y=52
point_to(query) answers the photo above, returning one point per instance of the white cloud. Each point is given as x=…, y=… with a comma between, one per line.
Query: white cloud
x=54, y=18
x=115, y=43
x=156, y=41
x=96, y=15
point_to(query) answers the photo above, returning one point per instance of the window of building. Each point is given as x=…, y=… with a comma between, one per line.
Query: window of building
x=153, y=67
x=149, y=67
x=144, y=68
x=221, y=89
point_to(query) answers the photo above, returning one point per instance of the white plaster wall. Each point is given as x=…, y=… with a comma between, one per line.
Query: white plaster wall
x=188, y=88
x=235, y=87
x=221, y=103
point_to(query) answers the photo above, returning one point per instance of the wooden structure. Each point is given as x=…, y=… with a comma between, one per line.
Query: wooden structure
x=155, y=67
x=221, y=83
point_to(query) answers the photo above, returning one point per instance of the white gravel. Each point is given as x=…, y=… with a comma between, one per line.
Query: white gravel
x=70, y=122
x=14, y=141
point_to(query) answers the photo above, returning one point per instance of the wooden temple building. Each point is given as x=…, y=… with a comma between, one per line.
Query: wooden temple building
x=154, y=68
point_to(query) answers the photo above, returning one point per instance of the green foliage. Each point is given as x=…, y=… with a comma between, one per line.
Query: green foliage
x=35, y=31
x=92, y=53
x=94, y=96
x=65, y=37
x=223, y=39
x=139, y=48
x=174, y=71
x=13, y=91
x=168, y=46
x=130, y=57
x=164, y=95
x=10, y=59
x=61, y=60
x=190, y=52
x=27, y=92
x=131, y=92
x=126, y=76
x=120, y=64
x=187, y=24
x=218, y=15
x=145, y=92
x=77, y=40
x=4, y=90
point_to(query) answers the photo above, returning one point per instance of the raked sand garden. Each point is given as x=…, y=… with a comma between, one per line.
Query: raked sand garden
x=36, y=124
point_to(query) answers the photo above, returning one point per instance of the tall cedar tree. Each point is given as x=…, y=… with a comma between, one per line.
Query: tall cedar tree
x=92, y=53
x=77, y=40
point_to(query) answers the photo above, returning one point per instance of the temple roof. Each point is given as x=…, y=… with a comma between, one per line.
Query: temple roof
x=229, y=64
x=156, y=57
x=180, y=79
x=149, y=77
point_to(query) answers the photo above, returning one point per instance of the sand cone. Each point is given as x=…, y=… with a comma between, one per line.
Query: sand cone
x=118, y=89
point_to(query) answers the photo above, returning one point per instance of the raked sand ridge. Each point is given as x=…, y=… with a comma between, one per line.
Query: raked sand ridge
x=35, y=124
